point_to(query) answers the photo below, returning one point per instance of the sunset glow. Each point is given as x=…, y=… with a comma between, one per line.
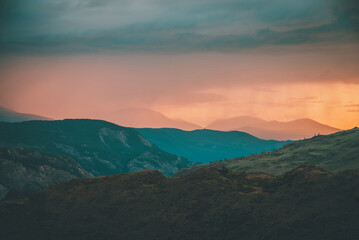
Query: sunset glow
x=305, y=66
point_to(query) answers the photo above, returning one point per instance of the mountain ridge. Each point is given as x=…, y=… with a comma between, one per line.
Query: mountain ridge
x=7, y=115
x=205, y=145
x=143, y=117
x=100, y=147
x=280, y=130
x=335, y=152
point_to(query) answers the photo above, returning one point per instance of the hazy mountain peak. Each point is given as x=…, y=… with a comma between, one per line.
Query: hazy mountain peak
x=143, y=117
x=8, y=115
x=278, y=130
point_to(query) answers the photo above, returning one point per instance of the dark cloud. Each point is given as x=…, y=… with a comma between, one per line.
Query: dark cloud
x=61, y=27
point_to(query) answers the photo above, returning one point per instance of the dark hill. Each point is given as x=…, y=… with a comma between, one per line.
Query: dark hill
x=100, y=147
x=305, y=203
x=335, y=152
x=208, y=145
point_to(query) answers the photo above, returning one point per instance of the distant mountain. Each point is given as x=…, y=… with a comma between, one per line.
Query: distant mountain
x=7, y=115
x=100, y=147
x=23, y=171
x=230, y=124
x=208, y=145
x=292, y=130
x=141, y=118
x=307, y=203
x=336, y=152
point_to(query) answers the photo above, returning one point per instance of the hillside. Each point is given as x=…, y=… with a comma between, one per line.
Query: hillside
x=7, y=115
x=100, y=147
x=208, y=145
x=335, y=152
x=305, y=203
x=292, y=130
x=23, y=171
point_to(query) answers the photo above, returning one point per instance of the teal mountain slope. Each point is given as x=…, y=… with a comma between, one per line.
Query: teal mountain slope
x=100, y=147
x=208, y=145
x=335, y=152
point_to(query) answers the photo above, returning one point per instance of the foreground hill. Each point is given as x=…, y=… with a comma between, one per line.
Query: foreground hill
x=335, y=152
x=305, y=203
x=7, y=115
x=100, y=147
x=292, y=130
x=208, y=145
x=23, y=172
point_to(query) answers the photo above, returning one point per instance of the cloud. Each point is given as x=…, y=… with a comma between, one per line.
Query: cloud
x=352, y=107
x=64, y=27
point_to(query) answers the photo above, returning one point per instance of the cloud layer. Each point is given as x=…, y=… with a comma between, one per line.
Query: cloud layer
x=73, y=26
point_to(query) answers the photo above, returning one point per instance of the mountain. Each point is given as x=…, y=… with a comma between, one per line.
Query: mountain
x=141, y=117
x=7, y=115
x=100, y=147
x=292, y=130
x=23, y=171
x=303, y=204
x=335, y=152
x=230, y=124
x=208, y=145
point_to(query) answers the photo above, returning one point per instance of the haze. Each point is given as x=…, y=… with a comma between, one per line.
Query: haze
x=194, y=60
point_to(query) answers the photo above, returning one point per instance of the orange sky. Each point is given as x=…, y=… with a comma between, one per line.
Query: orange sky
x=318, y=83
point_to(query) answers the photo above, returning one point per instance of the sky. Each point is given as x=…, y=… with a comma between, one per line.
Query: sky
x=195, y=60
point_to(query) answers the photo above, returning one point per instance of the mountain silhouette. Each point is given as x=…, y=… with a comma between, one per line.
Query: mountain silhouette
x=208, y=145
x=292, y=130
x=142, y=117
x=7, y=115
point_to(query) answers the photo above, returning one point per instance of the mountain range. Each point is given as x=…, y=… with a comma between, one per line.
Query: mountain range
x=101, y=148
x=335, y=152
x=292, y=130
x=208, y=145
x=7, y=115
x=147, y=118
x=306, y=203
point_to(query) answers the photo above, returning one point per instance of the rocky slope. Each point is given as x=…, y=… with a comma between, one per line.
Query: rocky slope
x=100, y=147
x=208, y=145
x=335, y=152
x=23, y=172
x=305, y=203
